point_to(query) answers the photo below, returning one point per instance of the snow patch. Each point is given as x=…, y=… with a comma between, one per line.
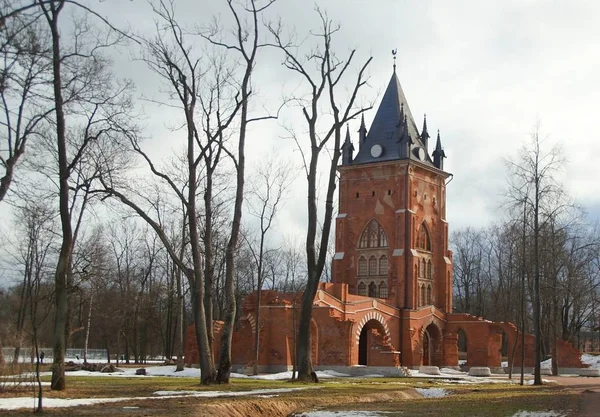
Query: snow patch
x=432, y=392
x=538, y=414
x=30, y=402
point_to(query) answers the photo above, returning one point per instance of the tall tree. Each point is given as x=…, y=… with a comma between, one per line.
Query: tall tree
x=266, y=194
x=325, y=115
x=80, y=84
x=533, y=181
x=246, y=44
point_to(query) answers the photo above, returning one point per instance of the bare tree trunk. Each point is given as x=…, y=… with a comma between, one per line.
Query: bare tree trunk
x=230, y=300
x=537, y=378
x=180, y=311
x=64, y=259
x=2, y=360
x=87, y=330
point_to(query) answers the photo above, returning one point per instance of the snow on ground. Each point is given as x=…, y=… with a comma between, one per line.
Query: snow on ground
x=169, y=370
x=592, y=360
x=432, y=392
x=29, y=402
x=14, y=384
x=538, y=414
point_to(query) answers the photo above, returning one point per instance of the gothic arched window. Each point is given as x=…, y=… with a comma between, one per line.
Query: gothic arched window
x=422, y=268
x=428, y=294
x=383, y=265
x=362, y=266
x=428, y=269
x=422, y=291
x=383, y=290
x=372, y=289
x=362, y=289
x=373, y=236
x=372, y=265
x=423, y=238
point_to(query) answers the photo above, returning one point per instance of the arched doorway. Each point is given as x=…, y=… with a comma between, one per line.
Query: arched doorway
x=463, y=354
x=314, y=343
x=370, y=343
x=431, y=346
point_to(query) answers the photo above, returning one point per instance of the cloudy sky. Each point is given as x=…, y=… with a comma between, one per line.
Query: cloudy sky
x=483, y=71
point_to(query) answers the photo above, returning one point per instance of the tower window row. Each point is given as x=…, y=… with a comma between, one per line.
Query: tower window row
x=373, y=290
x=425, y=295
x=425, y=269
x=374, y=265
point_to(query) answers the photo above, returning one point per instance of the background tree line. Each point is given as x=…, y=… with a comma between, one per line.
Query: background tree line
x=540, y=264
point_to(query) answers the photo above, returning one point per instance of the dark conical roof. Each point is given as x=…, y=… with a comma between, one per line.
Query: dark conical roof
x=386, y=128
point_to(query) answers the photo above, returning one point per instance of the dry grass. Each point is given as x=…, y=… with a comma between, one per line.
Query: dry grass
x=394, y=395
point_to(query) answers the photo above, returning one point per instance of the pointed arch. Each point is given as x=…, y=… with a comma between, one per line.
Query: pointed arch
x=363, y=269
x=428, y=274
x=372, y=265
x=429, y=301
x=372, y=289
x=424, y=238
x=362, y=289
x=383, y=290
x=373, y=236
x=422, y=295
x=383, y=265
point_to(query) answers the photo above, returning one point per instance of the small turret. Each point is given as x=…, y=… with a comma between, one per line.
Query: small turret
x=405, y=140
x=438, y=153
x=425, y=134
x=362, y=131
x=347, y=149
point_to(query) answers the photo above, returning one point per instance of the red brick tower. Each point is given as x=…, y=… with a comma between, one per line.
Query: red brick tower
x=391, y=232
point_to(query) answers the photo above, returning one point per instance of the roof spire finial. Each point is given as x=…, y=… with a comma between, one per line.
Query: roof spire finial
x=394, y=51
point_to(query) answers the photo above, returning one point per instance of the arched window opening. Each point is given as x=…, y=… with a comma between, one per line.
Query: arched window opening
x=423, y=239
x=372, y=289
x=372, y=265
x=429, y=269
x=422, y=268
x=362, y=289
x=383, y=265
x=362, y=266
x=383, y=290
x=429, y=301
x=422, y=291
x=373, y=236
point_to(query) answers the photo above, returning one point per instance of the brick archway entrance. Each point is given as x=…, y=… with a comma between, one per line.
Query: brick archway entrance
x=371, y=341
x=431, y=343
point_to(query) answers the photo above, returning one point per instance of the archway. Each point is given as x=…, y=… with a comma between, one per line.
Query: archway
x=314, y=343
x=371, y=342
x=463, y=354
x=431, y=343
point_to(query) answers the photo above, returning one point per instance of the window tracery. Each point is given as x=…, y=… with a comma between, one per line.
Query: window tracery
x=423, y=238
x=373, y=236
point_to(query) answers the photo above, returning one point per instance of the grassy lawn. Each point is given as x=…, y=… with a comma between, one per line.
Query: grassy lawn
x=395, y=396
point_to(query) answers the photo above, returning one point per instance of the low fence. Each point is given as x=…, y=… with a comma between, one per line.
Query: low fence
x=27, y=354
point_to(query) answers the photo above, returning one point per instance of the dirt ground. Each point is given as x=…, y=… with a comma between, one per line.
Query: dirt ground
x=588, y=390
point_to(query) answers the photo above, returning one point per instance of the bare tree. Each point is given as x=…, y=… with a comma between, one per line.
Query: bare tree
x=25, y=54
x=533, y=181
x=246, y=45
x=266, y=195
x=323, y=72
x=81, y=87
